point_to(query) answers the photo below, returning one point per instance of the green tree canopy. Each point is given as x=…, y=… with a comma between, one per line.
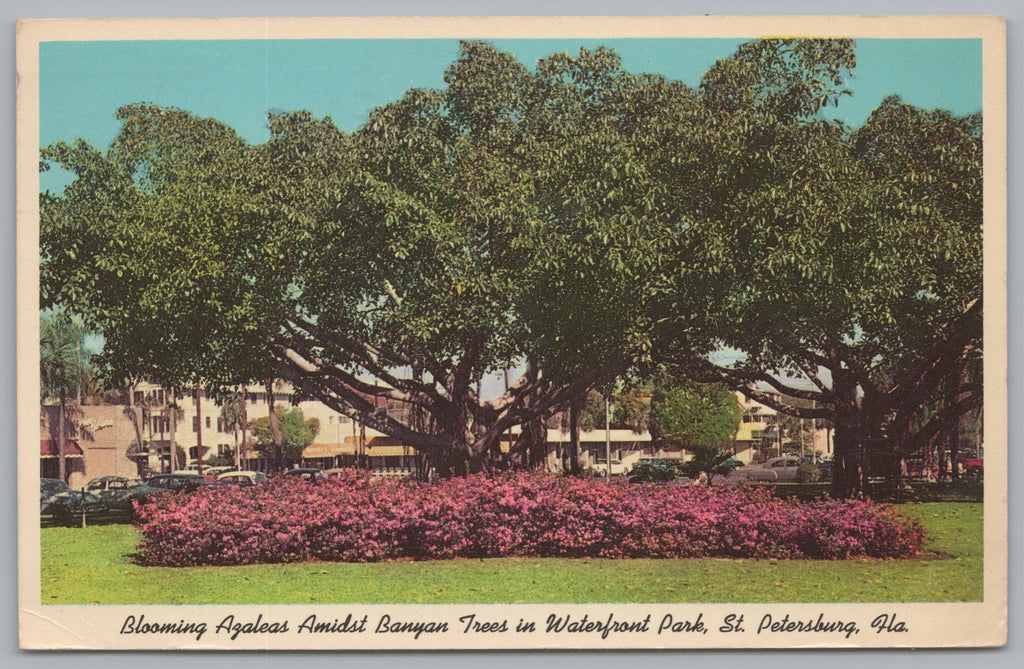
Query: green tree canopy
x=576, y=221
x=506, y=220
x=694, y=415
x=297, y=432
x=847, y=262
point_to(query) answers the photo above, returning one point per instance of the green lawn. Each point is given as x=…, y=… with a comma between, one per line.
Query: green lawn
x=94, y=566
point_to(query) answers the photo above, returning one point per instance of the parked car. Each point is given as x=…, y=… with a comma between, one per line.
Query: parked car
x=775, y=470
x=973, y=469
x=119, y=493
x=64, y=505
x=600, y=468
x=243, y=479
x=176, y=482
x=211, y=473
x=50, y=487
x=311, y=474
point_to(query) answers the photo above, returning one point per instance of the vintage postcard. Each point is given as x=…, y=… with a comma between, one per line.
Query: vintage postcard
x=512, y=333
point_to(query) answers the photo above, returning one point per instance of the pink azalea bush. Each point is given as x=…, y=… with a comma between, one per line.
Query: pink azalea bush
x=357, y=519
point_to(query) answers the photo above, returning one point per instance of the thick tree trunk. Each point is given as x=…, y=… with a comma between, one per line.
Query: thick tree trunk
x=850, y=472
x=850, y=461
x=537, y=443
x=530, y=450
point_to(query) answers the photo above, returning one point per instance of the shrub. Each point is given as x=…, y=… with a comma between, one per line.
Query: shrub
x=652, y=472
x=807, y=473
x=357, y=519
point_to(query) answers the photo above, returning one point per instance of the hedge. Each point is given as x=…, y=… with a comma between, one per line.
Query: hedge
x=359, y=519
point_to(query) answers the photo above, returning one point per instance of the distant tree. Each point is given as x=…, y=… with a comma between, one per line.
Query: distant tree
x=232, y=412
x=708, y=462
x=297, y=432
x=630, y=409
x=698, y=417
x=693, y=415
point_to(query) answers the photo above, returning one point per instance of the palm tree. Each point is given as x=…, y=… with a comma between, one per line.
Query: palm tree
x=232, y=413
x=63, y=365
x=174, y=414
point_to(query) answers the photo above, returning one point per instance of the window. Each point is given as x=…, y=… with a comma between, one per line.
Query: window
x=207, y=422
x=195, y=423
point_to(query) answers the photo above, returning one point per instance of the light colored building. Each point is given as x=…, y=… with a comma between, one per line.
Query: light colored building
x=102, y=441
x=135, y=439
x=204, y=421
x=758, y=429
x=761, y=432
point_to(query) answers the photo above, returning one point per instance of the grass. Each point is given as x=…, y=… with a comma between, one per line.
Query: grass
x=882, y=491
x=94, y=566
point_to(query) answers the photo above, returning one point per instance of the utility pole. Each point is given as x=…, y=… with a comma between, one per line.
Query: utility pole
x=199, y=429
x=608, y=437
x=244, y=463
x=173, y=447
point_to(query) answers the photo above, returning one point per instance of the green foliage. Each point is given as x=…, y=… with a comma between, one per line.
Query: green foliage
x=630, y=410
x=807, y=473
x=653, y=472
x=232, y=411
x=710, y=461
x=504, y=219
x=850, y=258
x=297, y=432
x=224, y=460
x=694, y=415
x=577, y=220
x=64, y=360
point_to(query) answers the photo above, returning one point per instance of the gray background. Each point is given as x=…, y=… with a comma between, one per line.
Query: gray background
x=11, y=10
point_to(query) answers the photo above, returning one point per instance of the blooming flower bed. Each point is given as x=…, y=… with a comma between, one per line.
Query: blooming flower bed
x=356, y=519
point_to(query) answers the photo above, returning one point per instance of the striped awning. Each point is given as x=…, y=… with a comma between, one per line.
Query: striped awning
x=327, y=450
x=376, y=446
x=48, y=448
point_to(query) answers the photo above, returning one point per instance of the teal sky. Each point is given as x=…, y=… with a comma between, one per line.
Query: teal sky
x=83, y=83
